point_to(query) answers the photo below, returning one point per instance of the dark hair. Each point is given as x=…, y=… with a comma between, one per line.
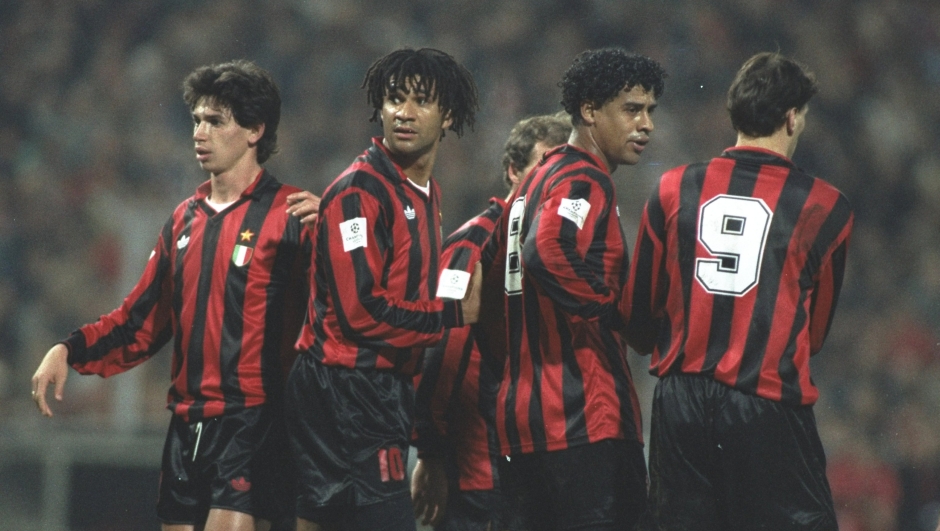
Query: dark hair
x=247, y=90
x=597, y=76
x=552, y=129
x=764, y=89
x=437, y=74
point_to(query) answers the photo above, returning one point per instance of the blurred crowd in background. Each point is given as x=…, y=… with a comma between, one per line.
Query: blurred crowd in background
x=96, y=150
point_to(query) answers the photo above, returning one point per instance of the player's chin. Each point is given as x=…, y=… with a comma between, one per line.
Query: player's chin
x=629, y=159
x=206, y=166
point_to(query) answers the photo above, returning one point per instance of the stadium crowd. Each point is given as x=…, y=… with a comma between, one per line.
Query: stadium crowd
x=95, y=150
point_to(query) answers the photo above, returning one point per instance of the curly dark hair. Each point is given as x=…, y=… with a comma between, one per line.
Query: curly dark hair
x=552, y=129
x=597, y=76
x=437, y=74
x=247, y=90
x=764, y=89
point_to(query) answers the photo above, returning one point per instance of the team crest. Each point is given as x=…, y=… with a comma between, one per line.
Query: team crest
x=241, y=255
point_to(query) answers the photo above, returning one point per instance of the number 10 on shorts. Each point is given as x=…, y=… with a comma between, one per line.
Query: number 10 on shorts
x=391, y=465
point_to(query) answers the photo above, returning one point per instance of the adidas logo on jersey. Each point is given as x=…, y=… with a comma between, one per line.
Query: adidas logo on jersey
x=409, y=212
x=182, y=242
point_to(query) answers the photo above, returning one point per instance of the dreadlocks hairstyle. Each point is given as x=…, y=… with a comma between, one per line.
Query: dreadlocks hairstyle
x=597, y=76
x=430, y=71
x=551, y=129
x=247, y=90
x=764, y=89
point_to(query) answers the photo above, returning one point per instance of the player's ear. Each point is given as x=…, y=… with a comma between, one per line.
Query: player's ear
x=587, y=110
x=514, y=175
x=791, y=121
x=448, y=120
x=255, y=133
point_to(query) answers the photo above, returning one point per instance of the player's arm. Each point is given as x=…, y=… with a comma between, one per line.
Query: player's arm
x=118, y=341
x=437, y=391
x=435, y=394
x=445, y=364
x=294, y=267
x=360, y=265
x=827, y=287
x=642, y=304
x=560, y=240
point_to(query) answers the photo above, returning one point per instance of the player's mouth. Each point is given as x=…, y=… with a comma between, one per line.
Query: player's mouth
x=404, y=133
x=202, y=154
x=639, y=144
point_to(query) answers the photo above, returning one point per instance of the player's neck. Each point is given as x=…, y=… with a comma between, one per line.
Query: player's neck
x=582, y=137
x=229, y=185
x=418, y=170
x=779, y=142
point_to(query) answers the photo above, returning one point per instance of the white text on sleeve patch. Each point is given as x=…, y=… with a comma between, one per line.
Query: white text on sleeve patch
x=574, y=209
x=453, y=284
x=353, y=232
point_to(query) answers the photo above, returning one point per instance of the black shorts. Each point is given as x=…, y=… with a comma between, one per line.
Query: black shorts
x=478, y=510
x=234, y=462
x=349, y=431
x=597, y=486
x=723, y=460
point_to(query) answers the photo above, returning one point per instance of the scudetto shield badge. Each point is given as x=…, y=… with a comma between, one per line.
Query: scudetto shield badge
x=241, y=255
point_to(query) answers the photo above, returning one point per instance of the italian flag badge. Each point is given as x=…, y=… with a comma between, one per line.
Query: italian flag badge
x=241, y=255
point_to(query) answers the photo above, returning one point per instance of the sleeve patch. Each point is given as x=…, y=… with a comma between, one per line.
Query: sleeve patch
x=453, y=284
x=354, y=232
x=575, y=210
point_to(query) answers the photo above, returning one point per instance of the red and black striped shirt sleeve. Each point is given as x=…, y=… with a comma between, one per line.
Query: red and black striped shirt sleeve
x=137, y=329
x=569, y=239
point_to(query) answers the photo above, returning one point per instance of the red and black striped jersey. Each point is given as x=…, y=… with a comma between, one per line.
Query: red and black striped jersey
x=456, y=390
x=563, y=257
x=737, y=270
x=228, y=287
x=377, y=243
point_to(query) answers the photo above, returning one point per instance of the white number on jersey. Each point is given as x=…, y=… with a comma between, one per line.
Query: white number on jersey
x=514, y=247
x=734, y=231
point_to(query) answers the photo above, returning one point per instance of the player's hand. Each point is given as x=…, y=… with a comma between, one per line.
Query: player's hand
x=471, y=300
x=305, y=206
x=429, y=490
x=54, y=369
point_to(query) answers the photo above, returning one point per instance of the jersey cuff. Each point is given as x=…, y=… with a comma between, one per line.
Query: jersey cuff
x=74, y=343
x=453, y=314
